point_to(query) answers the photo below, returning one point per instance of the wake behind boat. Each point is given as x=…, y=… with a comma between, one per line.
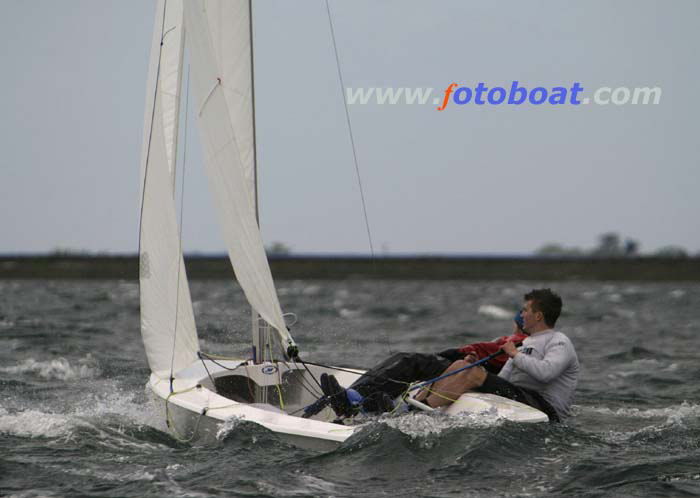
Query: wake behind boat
x=198, y=391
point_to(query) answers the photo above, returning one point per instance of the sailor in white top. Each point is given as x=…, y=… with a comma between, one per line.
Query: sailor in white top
x=543, y=373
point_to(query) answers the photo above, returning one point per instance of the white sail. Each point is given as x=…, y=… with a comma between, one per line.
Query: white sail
x=227, y=149
x=229, y=31
x=167, y=319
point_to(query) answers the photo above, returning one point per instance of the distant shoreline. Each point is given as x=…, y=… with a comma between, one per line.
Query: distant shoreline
x=650, y=269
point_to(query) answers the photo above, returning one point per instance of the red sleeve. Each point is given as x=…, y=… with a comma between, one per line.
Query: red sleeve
x=484, y=349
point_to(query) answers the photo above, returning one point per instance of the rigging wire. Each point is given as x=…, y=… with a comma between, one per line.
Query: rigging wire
x=354, y=152
x=352, y=137
x=150, y=132
x=309, y=371
x=310, y=388
x=365, y=374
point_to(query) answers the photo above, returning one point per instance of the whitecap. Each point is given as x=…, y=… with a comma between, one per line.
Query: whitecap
x=342, y=293
x=35, y=423
x=426, y=424
x=121, y=404
x=615, y=297
x=311, y=290
x=312, y=485
x=227, y=426
x=348, y=313
x=90, y=411
x=58, y=368
x=495, y=312
x=625, y=313
x=673, y=413
x=129, y=476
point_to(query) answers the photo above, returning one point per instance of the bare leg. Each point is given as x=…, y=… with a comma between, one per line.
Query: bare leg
x=423, y=393
x=447, y=390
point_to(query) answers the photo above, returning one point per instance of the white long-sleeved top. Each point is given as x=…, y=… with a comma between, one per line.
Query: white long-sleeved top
x=547, y=363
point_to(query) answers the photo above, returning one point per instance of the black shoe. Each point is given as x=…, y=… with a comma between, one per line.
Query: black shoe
x=386, y=403
x=378, y=402
x=336, y=394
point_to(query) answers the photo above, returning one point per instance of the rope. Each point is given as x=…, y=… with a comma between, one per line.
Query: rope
x=171, y=422
x=466, y=367
x=308, y=387
x=311, y=374
x=244, y=365
x=204, y=364
x=384, y=377
x=213, y=358
x=279, y=393
x=430, y=391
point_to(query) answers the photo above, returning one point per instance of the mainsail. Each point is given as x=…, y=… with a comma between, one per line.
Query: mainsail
x=167, y=320
x=221, y=74
x=229, y=31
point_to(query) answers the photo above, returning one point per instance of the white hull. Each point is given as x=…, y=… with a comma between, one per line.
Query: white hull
x=475, y=403
x=201, y=402
x=196, y=411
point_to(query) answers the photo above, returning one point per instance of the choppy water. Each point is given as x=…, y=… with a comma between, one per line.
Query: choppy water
x=75, y=421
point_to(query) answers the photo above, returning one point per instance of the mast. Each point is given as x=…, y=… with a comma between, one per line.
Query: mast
x=252, y=100
x=260, y=329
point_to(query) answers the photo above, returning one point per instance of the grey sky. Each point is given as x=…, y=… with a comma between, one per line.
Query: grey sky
x=496, y=179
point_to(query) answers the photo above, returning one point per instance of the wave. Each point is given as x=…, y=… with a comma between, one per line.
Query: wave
x=429, y=424
x=56, y=369
x=114, y=409
x=494, y=311
x=229, y=425
x=635, y=353
x=35, y=423
x=673, y=413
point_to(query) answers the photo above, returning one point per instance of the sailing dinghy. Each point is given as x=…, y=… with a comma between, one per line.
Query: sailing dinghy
x=197, y=392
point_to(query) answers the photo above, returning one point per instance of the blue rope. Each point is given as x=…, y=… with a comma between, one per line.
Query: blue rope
x=471, y=365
